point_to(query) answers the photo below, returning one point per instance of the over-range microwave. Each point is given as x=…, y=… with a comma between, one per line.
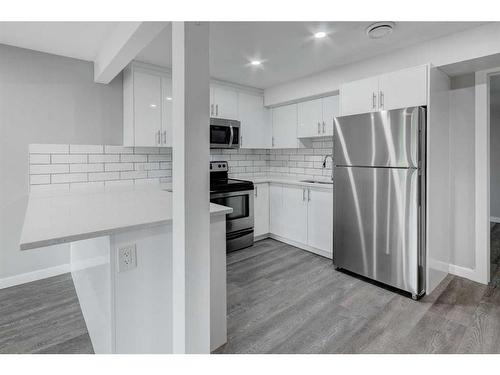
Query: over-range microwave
x=224, y=133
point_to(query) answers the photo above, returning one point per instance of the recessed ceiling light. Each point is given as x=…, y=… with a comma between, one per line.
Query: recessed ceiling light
x=320, y=35
x=152, y=105
x=379, y=29
x=168, y=98
x=256, y=62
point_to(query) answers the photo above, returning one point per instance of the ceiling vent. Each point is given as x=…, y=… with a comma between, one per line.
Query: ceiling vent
x=379, y=29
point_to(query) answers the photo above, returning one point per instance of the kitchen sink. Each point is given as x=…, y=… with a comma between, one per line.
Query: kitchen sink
x=318, y=182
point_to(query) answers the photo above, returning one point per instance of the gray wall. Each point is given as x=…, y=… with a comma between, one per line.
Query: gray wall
x=495, y=147
x=462, y=172
x=45, y=99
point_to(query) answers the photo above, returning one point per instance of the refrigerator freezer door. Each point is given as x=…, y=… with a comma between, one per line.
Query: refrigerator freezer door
x=376, y=230
x=382, y=139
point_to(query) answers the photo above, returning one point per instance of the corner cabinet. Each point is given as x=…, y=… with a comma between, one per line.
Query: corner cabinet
x=147, y=106
x=399, y=89
x=284, y=125
x=255, y=121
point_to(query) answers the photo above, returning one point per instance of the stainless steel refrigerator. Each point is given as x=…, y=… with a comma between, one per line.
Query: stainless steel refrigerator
x=379, y=197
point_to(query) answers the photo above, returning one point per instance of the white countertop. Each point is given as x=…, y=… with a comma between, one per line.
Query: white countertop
x=289, y=180
x=71, y=217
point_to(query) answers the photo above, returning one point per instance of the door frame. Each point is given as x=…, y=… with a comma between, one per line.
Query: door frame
x=482, y=174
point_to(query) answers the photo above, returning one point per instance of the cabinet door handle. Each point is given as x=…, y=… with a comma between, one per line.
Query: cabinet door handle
x=374, y=101
x=272, y=141
x=241, y=141
x=217, y=110
x=381, y=99
x=211, y=109
x=323, y=127
x=158, y=137
x=308, y=195
x=164, y=141
x=256, y=191
x=303, y=195
x=319, y=128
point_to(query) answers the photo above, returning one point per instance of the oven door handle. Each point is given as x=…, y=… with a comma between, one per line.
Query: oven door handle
x=231, y=135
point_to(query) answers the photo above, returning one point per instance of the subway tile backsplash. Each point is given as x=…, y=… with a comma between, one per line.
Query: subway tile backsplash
x=302, y=162
x=98, y=167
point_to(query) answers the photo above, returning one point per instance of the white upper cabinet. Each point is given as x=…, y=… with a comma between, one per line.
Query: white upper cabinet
x=310, y=118
x=284, y=121
x=315, y=117
x=256, y=130
x=331, y=110
x=147, y=109
x=166, y=114
x=359, y=96
x=403, y=88
x=223, y=102
x=147, y=115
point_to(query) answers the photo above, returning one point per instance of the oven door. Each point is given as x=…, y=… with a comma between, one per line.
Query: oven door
x=242, y=204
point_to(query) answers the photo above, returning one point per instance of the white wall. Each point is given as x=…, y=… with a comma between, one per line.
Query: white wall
x=45, y=99
x=495, y=146
x=462, y=158
x=469, y=44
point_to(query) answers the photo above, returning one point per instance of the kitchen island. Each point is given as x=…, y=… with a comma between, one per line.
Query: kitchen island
x=121, y=263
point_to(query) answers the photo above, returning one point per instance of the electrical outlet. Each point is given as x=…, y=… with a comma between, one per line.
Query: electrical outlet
x=127, y=258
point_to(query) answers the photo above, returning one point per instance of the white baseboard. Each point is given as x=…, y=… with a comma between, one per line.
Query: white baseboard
x=302, y=246
x=465, y=272
x=27, y=277
x=495, y=219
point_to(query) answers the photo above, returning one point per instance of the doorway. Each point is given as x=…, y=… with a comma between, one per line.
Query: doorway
x=494, y=115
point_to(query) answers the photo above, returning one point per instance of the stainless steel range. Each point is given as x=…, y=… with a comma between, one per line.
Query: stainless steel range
x=237, y=194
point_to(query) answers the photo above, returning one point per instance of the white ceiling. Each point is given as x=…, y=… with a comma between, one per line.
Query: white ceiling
x=79, y=40
x=287, y=49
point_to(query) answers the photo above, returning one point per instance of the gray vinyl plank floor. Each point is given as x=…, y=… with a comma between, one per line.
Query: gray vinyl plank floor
x=285, y=300
x=43, y=317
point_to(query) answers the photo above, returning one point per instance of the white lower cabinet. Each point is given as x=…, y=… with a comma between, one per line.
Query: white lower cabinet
x=276, y=209
x=320, y=219
x=261, y=209
x=294, y=213
x=302, y=215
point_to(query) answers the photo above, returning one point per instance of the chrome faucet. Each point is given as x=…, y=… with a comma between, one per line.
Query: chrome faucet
x=324, y=162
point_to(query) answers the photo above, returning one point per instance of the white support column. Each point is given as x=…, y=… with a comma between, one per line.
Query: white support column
x=191, y=201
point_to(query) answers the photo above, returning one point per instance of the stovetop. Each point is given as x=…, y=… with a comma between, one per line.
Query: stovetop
x=225, y=185
x=219, y=181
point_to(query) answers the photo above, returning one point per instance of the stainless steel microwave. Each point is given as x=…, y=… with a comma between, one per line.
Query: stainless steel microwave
x=224, y=133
